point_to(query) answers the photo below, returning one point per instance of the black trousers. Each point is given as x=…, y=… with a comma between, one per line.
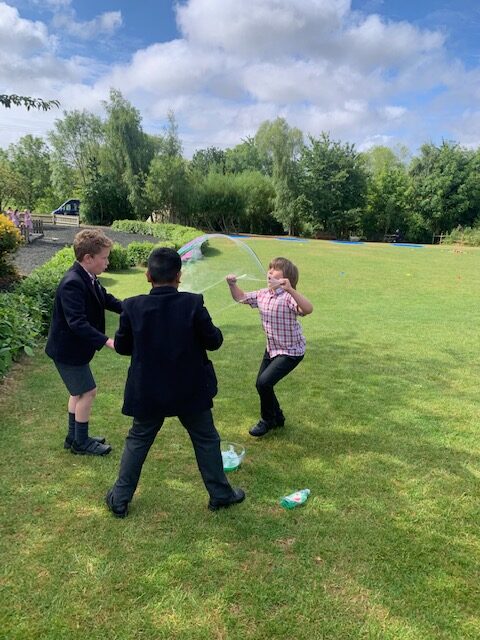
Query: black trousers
x=206, y=443
x=271, y=371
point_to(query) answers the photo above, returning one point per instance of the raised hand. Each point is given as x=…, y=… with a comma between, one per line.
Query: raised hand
x=275, y=283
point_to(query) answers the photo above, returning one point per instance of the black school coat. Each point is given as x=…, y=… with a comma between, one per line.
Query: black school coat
x=77, y=328
x=167, y=333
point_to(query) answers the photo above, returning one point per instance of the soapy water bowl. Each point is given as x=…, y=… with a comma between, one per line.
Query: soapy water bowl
x=232, y=455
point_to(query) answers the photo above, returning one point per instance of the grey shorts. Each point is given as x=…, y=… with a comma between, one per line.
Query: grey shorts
x=77, y=379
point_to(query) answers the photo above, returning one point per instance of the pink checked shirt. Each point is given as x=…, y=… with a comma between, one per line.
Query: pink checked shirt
x=278, y=312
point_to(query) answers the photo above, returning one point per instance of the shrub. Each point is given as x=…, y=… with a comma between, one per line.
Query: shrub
x=20, y=327
x=118, y=259
x=138, y=252
x=466, y=235
x=175, y=233
x=10, y=240
x=10, y=237
x=131, y=226
x=42, y=284
x=25, y=313
x=182, y=235
x=165, y=243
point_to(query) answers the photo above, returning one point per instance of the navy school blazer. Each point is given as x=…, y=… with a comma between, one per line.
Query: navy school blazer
x=77, y=328
x=167, y=333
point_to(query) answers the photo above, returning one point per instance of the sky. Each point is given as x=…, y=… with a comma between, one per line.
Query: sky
x=368, y=72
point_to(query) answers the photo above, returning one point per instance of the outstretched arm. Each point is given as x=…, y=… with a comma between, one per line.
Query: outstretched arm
x=237, y=293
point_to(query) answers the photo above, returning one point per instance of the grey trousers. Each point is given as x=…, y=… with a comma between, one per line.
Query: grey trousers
x=206, y=444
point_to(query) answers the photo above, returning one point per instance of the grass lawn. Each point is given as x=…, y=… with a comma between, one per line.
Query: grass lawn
x=382, y=427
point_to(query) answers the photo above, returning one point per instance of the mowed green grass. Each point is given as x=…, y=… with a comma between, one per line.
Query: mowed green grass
x=382, y=427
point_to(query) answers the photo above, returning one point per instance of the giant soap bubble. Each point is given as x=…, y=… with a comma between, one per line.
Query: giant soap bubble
x=208, y=259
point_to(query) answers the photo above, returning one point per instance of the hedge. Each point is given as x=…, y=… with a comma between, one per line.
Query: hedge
x=138, y=252
x=25, y=313
x=468, y=236
x=175, y=233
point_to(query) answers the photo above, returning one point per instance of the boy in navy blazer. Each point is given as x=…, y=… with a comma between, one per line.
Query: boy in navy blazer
x=167, y=333
x=77, y=330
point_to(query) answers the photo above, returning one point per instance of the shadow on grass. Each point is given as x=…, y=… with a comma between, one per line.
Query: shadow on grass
x=393, y=507
x=386, y=539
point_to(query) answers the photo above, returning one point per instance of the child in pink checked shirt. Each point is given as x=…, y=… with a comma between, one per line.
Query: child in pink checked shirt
x=279, y=306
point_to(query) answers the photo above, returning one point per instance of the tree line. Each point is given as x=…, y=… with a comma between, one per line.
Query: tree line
x=278, y=180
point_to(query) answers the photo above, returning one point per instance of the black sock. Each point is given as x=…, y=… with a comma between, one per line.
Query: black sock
x=71, y=426
x=81, y=432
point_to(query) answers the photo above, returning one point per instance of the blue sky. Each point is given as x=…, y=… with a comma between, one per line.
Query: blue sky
x=368, y=71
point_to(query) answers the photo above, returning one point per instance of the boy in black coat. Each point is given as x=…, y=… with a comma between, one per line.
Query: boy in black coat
x=167, y=333
x=77, y=330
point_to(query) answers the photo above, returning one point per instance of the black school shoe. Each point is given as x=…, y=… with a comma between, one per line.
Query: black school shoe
x=262, y=427
x=69, y=441
x=90, y=448
x=238, y=496
x=118, y=511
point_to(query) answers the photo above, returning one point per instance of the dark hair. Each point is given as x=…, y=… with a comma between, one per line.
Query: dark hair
x=163, y=265
x=288, y=269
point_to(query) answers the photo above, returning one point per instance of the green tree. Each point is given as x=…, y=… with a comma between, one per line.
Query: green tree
x=30, y=159
x=206, y=160
x=247, y=157
x=169, y=144
x=471, y=188
x=168, y=188
x=126, y=156
x=387, y=207
x=334, y=181
x=220, y=205
x=13, y=187
x=168, y=185
x=258, y=193
x=75, y=141
x=282, y=145
x=100, y=197
x=444, y=190
x=25, y=101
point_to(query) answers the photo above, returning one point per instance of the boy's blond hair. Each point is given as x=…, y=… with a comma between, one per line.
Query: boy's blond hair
x=288, y=269
x=90, y=241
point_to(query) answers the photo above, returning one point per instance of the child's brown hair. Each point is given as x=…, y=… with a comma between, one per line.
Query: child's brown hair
x=288, y=269
x=91, y=242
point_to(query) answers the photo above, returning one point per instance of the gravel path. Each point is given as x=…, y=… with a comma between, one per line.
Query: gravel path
x=33, y=255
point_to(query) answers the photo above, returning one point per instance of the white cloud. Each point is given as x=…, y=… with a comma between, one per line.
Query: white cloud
x=320, y=82
x=236, y=63
x=393, y=113
x=103, y=24
x=269, y=28
x=22, y=37
x=39, y=72
x=170, y=68
x=374, y=42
